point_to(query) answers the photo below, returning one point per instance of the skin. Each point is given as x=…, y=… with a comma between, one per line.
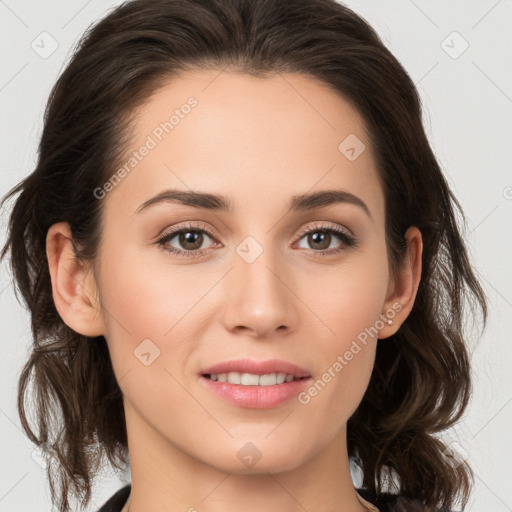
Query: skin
x=258, y=142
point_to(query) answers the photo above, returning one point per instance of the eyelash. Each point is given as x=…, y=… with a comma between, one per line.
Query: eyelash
x=347, y=239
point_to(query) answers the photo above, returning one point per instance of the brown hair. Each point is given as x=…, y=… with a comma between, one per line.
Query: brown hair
x=421, y=383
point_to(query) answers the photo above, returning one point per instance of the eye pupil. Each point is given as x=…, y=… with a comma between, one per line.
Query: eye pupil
x=320, y=236
x=191, y=237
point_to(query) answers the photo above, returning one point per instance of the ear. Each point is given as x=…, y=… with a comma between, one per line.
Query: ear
x=74, y=288
x=403, y=287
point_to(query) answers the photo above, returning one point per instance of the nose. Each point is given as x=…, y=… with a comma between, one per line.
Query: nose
x=259, y=297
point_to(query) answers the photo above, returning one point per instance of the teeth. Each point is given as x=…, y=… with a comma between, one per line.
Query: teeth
x=250, y=379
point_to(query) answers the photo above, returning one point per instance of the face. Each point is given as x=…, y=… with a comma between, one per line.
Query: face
x=187, y=285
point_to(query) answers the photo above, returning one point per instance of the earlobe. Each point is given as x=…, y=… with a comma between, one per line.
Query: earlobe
x=73, y=287
x=403, y=287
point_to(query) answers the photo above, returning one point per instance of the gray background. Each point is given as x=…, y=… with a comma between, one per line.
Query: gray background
x=467, y=98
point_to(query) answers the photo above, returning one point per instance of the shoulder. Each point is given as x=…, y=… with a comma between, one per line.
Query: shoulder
x=117, y=501
x=387, y=502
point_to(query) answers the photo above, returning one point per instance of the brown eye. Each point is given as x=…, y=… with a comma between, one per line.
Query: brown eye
x=318, y=239
x=185, y=241
x=190, y=240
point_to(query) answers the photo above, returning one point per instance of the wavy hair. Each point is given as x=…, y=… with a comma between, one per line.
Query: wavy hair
x=421, y=383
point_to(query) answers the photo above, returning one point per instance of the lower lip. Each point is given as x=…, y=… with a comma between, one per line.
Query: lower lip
x=256, y=397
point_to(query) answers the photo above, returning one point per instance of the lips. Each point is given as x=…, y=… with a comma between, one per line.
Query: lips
x=255, y=384
x=257, y=367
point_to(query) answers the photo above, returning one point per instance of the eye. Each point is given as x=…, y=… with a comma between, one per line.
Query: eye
x=189, y=238
x=320, y=238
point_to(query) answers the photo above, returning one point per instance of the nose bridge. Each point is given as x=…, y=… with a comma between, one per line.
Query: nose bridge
x=259, y=267
x=259, y=298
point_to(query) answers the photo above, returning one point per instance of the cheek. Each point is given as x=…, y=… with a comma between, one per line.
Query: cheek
x=140, y=310
x=143, y=297
x=149, y=320
x=155, y=314
x=349, y=301
x=348, y=298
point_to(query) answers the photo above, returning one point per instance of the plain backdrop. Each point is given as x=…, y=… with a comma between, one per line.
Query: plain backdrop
x=459, y=54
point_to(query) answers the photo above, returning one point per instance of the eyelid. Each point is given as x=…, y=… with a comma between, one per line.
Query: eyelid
x=320, y=225
x=201, y=226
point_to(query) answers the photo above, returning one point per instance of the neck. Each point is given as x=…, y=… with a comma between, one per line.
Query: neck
x=165, y=478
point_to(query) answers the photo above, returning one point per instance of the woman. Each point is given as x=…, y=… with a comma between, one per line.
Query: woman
x=194, y=154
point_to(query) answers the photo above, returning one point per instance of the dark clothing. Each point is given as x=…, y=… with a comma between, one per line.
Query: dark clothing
x=384, y=502
x=116, y=502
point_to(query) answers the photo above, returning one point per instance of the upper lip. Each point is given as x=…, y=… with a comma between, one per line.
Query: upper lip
x=257, y=367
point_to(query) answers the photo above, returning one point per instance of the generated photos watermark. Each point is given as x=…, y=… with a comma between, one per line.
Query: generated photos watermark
x=343, y=360
x=152, y=140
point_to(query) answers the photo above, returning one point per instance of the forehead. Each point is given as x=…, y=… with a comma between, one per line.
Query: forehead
x=249, y=137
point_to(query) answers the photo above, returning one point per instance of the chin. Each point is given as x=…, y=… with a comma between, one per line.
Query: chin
x=265, y=457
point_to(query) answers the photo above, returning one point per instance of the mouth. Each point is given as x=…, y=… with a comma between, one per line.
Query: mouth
x=251, y=372
x=253, y=379
x=255, y=384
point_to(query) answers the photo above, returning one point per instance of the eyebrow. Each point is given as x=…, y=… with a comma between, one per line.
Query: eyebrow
x=221, y=203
